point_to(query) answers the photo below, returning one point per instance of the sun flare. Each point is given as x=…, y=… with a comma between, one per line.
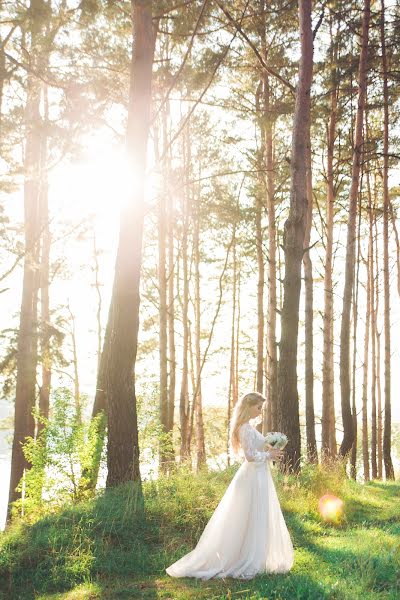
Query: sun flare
x=99, y=184
x=330, y=508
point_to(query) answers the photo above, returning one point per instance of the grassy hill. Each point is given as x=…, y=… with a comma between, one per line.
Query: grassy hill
x=107, y=548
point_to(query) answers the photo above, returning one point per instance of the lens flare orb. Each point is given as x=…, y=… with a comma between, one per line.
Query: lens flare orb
x=330, y=508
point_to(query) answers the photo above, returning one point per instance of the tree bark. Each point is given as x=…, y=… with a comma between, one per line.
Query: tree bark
x=378, y=350
x=387, y=433
x=45, y=349
x=288, y=400
x=260, y=295
x=365, y=450
x=184, y=408
x=312, y=453
x=24, y=424
x=77, y=393
x=197, y=399
x=372, y=311
x=328, y=445
x=348, y=429
x=353, y=455
x=163, y=309
x=232, y=365
x=123, y=445
x=271, y=351
x=171, y=318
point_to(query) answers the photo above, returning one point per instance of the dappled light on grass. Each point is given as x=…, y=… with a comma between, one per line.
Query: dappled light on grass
x=331, y=508
x=104, y=548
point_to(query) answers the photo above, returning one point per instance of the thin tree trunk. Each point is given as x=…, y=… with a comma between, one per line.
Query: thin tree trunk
x=24, y=424
x=312, y=453
x=380, y=411
x=348, y=429
x=353, y=456
x=288, y=400
x=371, y=278
x=97, y=286
x=171, y=318
x=378, y=346
x=197, y=399
x=387, y=433
x=271, y=358
x=184, y=393
x=192, y=405
x=123, y=445
x=260, y=296
x=45, y=350
x=328, y=445
x=98, y=422
x=332, y=416
x=77, y=394
x=163, y=309
x=235, y=391
x=365, y=371
x=232, y=367
x=259, y=205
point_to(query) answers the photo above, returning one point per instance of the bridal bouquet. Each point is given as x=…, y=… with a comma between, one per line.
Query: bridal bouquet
x=276, y=440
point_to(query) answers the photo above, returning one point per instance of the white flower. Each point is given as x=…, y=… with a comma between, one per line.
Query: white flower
x=276, y=439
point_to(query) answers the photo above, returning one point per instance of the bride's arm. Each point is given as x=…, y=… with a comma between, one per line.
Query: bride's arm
x=247, y=443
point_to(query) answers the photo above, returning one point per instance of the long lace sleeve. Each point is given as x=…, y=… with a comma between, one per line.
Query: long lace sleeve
x=247, y=438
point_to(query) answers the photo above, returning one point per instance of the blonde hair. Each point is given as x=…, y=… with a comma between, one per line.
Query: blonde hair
x=241, y=414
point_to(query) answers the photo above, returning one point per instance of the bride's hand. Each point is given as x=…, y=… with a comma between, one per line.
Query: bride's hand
x=276, y=454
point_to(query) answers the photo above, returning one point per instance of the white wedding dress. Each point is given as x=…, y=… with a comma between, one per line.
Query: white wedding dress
x=246, y=534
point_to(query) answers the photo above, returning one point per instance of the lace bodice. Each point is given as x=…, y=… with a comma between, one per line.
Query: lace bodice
x=252, y=443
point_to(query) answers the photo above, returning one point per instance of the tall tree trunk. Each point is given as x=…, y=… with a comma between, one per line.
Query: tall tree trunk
x=353, y=456
x=271, y=354
x=97, y=427
x=348, y=429
x=123, y=445
x=171, y=318
x=184, y=409
x=378, y=347
x=235, y=391
x=332, y=415
x=371, y=278
x=192, y=374
x=328, y=445
x=379, y=411
x=97, y=286
x=389, y=471
x=197, y=398
x=288, y=400
x=77, y=393
x=24, y=424
x=232, y=366
x=163, y=309
x=259, y=205
x=312, y=454
x=45, y=350
x=260, y=295
x=365, y=370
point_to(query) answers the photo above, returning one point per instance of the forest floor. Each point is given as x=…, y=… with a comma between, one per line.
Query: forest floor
x=106, y=549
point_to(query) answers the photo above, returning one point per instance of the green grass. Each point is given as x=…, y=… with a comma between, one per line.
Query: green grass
x=107, y=549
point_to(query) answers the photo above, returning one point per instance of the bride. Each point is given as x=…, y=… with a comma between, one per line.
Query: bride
x=246, y=534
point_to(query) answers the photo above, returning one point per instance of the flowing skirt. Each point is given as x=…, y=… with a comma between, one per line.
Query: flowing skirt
x=246, y=534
